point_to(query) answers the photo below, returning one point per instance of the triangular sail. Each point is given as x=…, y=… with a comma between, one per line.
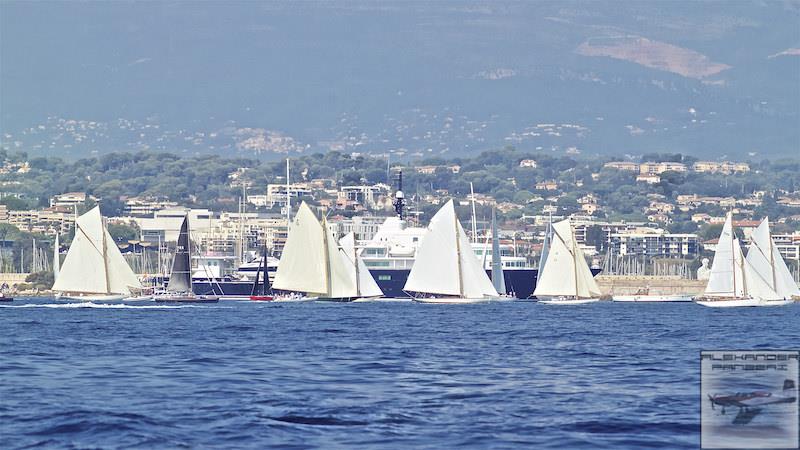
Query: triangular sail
x=366, y=285
x=474, y=281
x=260, y=288
x=340, y=270
x=727, y=275
x=498, y=280
x=548, y=237
x=94, y=264
x=180, y=277
x=445, y=263
x=566, y=272
x=767, y=262
x=302, y=267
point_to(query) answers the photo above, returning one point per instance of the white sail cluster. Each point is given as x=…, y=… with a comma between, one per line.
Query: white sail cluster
x=565, y=272
x=445, y=263
x=312, y=262
x=762, y=275
x=94, y=264
x=766, y=261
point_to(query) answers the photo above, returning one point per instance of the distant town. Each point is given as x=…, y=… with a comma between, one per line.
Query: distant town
x=627, y=213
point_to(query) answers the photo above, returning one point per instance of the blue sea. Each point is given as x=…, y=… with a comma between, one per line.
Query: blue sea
x=370, y=375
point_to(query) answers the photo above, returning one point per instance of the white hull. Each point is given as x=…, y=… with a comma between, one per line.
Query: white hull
x=652, y=298
x=93, y=297
x=180, y=297
x=293, y=299
x=568, y=301
x=744, y=302
x=780, y=302
x=383, y=299
x=456, y=300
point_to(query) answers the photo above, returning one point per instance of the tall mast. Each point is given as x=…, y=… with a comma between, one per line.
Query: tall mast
x=56, y=260
x=105, y=255
x=771, y=258
x=288, y=198
x=355, y=260
x=474, y=218
x=189, y=252
x=327, y=256
x=574, y=245
x=733, y=256
x=458, y=255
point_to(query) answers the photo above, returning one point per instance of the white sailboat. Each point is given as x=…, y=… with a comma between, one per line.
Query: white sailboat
x=313, y=263
x=94, y=269
x=765, y=259
x=565, y=278
x=446, y=270
x=733, y=282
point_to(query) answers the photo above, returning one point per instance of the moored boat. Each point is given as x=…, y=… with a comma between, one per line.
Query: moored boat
x=644, y=296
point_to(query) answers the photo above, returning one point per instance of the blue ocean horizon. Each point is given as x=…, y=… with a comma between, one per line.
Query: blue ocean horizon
x=372, y=375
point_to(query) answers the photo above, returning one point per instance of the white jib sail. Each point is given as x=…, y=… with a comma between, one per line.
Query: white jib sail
x=727, y=277
x=475, y=282
x=367, y=287
x=94, y=264
x=566, y=272
x=302, y=267
x=765, y=259
x=341, y=271
x=437, y=263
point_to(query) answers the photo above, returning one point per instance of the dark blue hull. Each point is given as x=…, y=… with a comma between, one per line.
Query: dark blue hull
x=519, y=282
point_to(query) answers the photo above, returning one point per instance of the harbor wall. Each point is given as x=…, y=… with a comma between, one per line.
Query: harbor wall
x=629, y=284
x=12, y=278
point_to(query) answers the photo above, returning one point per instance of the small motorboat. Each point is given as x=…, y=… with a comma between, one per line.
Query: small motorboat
x=644, y=296
x=5, y=298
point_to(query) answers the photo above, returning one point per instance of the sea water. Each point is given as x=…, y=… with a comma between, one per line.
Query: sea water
x=376, y=375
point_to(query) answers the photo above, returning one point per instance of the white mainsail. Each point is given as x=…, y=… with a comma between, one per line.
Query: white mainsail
x=365, y=283
x=566, y=272
x=342, y=282
x=727, y=275
x=94, y=264
x=312, y=261
x=445, y=263
x=302, y=264
x=766, y=261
